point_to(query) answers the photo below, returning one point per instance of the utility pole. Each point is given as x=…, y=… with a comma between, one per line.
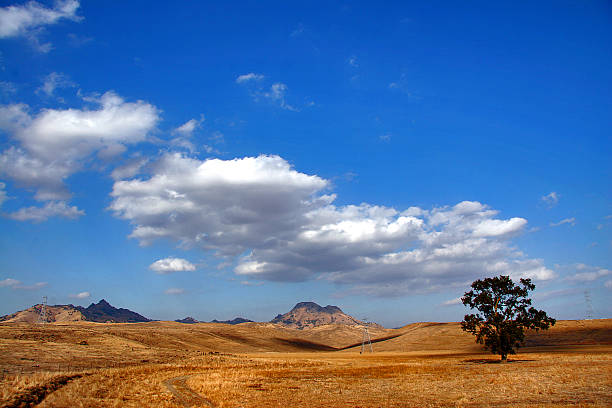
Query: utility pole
x=42, y=317
x=366, y=338
x=589, y=305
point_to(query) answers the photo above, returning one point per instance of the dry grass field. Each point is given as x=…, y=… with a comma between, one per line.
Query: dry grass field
x=164, y=364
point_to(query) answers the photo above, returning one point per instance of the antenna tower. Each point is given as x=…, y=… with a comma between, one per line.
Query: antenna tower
x=366, y=338
x=589, y=305
x=42, y=318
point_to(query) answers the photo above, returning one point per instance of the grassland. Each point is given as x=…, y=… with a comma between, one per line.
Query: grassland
x=165, y=364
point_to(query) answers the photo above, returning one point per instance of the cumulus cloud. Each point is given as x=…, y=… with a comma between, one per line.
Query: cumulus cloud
x=280, y=224
x=570, y=221
x=174, y=291
x=50, y=209
x=54, y=144
x=249, y=77
x=170, y=265
x=29, y=19
x=551, y=199
x=81, y=295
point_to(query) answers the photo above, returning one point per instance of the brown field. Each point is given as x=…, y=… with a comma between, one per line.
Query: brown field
x=166, y=364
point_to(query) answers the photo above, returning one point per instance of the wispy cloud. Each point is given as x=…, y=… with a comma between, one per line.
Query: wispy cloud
x=174, y=291
x=570, y=221
x=53, y=81
x=249, y=77
x=275, y=93
x=50, y=209
x=452, y=302
x=551, y=199
x=10, y=282
x=18, y=285
x=28, y=20
x=81, y=295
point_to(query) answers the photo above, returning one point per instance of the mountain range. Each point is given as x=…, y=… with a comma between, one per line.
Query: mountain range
x=304, y=315
x=101, y=312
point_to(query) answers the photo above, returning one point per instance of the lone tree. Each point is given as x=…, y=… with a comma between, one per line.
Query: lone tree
x=505, y=312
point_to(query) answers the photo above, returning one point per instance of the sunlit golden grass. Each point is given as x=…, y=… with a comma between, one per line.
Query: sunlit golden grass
x=399, y=380
x=427, y=365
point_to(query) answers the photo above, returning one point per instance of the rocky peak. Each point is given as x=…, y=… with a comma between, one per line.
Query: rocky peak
x=306, y=315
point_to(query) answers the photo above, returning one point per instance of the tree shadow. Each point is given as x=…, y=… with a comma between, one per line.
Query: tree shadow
x=497, y=361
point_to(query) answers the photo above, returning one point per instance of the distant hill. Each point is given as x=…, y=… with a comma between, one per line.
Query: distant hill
x=57, y=313
x=188, y=320
x=101, y=312
x=104, y=312
x=306, y=315
x=237, y=320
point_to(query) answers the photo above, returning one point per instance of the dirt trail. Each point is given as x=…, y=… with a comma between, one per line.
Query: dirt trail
x=186, y=396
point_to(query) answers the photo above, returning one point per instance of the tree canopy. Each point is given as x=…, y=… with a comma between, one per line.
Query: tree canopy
x=504, y=312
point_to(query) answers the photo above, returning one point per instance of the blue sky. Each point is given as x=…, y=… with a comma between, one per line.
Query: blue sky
x=217, y=160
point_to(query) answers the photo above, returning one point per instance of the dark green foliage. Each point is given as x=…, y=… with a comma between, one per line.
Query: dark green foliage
x=505, y=312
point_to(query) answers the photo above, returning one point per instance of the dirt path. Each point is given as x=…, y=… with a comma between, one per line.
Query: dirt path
x=186, y=396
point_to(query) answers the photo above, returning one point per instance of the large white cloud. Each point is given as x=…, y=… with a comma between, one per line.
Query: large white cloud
x=54, y=144
x=280, y=224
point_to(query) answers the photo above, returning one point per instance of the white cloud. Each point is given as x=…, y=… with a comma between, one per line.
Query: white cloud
x=29, y=19
x=81, y=295
x=275, y=94
x=352, y=61
x=495, y=228
x=170, y=265
x=187, y=128
x=551, y=199
x=36, y=286
x=588, y=273
x=50, y=209
x=129, y=169
x=385, y=138
x=279, y=224
x=55, y=144
x=570, y=221
x=452, y=302
x=55, y=81
x=9, y=282
x=608, y=284
x=249, y=77
x=174, y=291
